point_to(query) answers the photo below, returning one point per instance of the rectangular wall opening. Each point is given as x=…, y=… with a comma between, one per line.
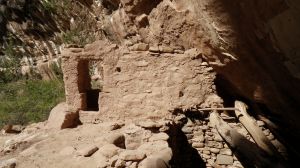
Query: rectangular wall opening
x=89, y=94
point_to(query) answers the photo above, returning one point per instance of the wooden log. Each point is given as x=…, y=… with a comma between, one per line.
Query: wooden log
x=250, y=154
x=255, y=131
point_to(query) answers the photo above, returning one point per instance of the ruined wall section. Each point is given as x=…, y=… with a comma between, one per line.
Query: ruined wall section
x=148, y=86
x=75, y=78
x=138, y=83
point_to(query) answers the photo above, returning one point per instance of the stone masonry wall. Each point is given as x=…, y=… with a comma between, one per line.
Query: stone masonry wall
x=138, y=82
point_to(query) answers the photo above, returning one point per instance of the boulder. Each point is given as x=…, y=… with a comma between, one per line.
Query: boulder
x=61, y=118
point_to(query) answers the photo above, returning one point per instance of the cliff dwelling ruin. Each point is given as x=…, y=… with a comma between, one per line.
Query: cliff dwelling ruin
x=136, y=82
x=212, y=83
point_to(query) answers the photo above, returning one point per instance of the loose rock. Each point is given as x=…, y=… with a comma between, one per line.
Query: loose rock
x=109, y=150
x=87, y=151
x=132, y=155
x=61, y=118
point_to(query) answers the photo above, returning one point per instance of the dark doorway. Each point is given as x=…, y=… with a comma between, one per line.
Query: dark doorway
x=92, y=97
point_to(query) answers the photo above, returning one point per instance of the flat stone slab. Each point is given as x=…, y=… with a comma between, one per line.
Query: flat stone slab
x=224, y=160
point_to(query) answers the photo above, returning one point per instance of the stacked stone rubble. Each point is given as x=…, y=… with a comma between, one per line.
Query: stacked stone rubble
x=211, y=146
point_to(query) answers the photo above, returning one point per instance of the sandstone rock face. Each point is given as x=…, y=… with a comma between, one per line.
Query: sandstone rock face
x=60, y=117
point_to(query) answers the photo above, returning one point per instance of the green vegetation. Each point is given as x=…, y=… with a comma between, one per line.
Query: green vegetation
x=23, y=102
x=26, y=98
x=49, y=5
x=9, y=62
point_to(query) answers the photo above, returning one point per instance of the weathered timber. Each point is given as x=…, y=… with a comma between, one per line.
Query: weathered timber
x=250, y=153
x=255, y=131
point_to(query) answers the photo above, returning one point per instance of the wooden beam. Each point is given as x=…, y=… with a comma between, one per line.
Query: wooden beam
x=254, y=130
x=248, y=152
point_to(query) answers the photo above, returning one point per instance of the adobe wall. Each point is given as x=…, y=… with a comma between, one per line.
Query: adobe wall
x=140, y=83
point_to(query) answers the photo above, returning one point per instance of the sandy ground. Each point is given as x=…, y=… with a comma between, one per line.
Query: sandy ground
x=42, y=148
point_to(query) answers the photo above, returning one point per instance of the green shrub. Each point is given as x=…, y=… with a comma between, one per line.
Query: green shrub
x=29, y=101
x=49, y=5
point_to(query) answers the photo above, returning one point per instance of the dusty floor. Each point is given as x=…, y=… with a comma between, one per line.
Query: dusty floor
x=46, y=152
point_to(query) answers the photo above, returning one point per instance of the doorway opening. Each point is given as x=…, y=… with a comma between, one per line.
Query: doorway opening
x=89, y=94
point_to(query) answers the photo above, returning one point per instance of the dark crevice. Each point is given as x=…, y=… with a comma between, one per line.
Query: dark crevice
x=145, y=7
x=110, y=5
